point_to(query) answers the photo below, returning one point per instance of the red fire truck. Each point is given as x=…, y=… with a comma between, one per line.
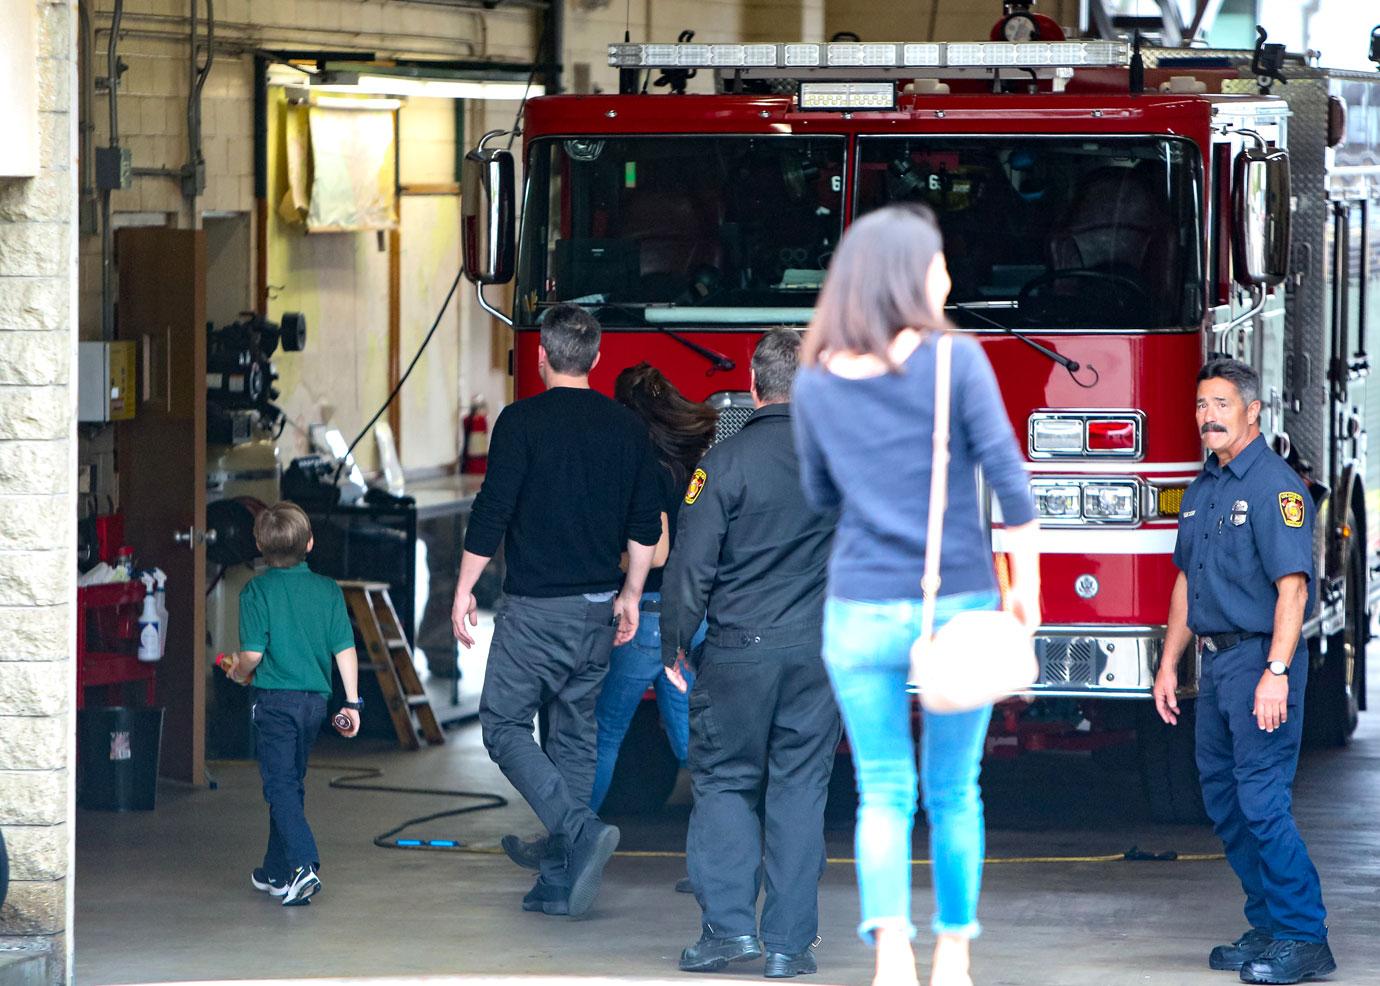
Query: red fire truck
x=1111, y=216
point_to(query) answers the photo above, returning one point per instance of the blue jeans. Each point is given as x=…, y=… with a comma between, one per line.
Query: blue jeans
x=632, y=667
x=867, y=653
x=286, y=724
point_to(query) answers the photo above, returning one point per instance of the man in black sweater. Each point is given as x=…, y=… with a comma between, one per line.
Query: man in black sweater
x=570, y=487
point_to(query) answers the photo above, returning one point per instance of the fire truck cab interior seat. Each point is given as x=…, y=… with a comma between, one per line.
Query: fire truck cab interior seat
x=1117, y=231
x=677, y=236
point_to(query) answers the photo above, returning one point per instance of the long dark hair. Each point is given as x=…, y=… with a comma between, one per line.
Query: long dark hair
x=681, y=431
x=877, y=284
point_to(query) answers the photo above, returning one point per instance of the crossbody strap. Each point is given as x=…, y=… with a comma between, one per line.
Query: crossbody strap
x=939, y=484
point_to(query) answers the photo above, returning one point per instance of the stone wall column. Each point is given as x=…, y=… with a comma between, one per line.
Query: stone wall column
x=38, y=286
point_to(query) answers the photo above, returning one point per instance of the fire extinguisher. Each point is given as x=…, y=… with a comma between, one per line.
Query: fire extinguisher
x=474, y=455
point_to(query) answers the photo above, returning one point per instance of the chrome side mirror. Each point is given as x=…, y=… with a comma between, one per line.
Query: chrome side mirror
x=1261, y=216
x=487, y=223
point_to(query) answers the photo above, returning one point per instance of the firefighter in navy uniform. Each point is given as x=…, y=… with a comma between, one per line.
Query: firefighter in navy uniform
x=1245, y=557
x=763, y=723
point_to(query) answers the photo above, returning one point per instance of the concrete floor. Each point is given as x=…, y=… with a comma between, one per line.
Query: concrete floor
x=165, y=897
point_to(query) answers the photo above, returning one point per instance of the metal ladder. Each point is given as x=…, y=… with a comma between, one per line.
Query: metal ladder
x=390, y=658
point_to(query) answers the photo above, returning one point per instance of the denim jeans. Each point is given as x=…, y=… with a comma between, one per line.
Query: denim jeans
x=632, y=667
x=867, y=653
x=286, y=723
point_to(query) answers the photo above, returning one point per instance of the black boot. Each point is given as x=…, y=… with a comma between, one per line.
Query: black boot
x=782, y=966
x=1249, y=946
x=1286, y=961
x=526, y=853
x=710, y=954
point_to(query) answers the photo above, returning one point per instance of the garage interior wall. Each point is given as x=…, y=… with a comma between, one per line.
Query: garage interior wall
x=38, y=270
x=340, y=280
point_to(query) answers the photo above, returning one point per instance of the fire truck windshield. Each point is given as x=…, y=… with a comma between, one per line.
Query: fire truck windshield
x=680, y=230
x=1051, y=232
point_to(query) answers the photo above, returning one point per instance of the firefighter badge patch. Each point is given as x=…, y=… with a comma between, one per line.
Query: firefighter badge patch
x=1291, y=507
x=692, y=492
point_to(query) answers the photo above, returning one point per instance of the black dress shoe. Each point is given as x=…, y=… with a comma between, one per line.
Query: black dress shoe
x=684, y=886
x=547, y=899
x=1230, y=958
x=710, y=954
x=782, y=966
x=1286, y=961
x=526, y=853
x=588, y=857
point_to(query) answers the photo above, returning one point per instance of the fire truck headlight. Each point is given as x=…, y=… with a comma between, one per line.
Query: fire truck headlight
x=1057, y=501
x=1109, y=501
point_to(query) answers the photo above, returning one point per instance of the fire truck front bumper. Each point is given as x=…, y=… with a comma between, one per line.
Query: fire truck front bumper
x=1102, y=662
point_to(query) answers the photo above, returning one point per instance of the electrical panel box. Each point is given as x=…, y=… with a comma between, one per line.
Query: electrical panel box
x=114, y=168
x=105, y=381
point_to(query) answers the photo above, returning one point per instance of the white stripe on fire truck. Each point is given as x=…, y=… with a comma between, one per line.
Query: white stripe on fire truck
x=1100, y=541
x=1074, y=466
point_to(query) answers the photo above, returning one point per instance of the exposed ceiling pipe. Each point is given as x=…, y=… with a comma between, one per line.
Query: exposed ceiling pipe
x=112, y=80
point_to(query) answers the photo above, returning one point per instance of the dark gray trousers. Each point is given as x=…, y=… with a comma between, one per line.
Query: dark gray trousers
x=761, y=718
x=553, y=653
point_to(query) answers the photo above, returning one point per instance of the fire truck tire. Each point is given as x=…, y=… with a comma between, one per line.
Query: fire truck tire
x=645, y=773
x=1167, y=765
x=1330, y=709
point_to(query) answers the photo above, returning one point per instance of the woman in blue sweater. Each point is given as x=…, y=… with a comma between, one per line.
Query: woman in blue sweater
x=864, y=418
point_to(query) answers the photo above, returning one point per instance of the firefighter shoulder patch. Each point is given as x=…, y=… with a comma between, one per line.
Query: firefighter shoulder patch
x=1291, y=508
x=692, y=492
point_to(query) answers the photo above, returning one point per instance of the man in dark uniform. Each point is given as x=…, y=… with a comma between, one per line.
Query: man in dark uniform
x=752, y=553
x=1245, y=558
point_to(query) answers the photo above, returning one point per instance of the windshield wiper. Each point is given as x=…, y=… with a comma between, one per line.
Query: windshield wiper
x=1072, y=365
x=638, y=309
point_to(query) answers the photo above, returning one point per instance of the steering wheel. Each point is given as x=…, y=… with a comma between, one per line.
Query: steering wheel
x=1126, y=295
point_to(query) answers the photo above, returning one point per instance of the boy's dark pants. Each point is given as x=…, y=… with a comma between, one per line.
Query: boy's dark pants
x=286, y=723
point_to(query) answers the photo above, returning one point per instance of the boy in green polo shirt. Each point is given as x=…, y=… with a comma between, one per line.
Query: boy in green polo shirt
x=292, y=623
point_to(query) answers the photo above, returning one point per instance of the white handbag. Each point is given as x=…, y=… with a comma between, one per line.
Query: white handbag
x=979, y=656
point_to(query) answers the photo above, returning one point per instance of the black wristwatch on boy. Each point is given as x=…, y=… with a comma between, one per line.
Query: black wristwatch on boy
x=357, y=704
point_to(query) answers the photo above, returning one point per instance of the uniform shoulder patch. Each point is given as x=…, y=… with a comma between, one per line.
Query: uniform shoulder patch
x=697, y=481
x=1291, y=508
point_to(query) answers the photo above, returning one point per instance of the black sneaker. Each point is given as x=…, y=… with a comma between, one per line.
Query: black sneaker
x=1230, y=958
x=588, y=857
x=262, y=881
x=711, y=953
x=684, y=886
x=547, y=899
x=527, y=853
x=301, y=887
x=1287, y=961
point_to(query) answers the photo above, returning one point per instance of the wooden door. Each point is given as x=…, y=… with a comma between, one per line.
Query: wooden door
x=161, y=458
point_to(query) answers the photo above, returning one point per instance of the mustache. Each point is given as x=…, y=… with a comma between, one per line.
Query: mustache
x=1212, y=426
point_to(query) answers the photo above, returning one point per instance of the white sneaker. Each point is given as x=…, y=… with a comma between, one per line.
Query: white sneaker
x=300, y=888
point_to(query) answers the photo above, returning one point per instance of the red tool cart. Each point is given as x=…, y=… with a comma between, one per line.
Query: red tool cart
x=108, y=641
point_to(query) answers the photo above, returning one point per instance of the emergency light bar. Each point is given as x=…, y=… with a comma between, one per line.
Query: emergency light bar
x=883, y=55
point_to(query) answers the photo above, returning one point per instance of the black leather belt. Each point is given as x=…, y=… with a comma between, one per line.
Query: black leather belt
x=650, y=605
x=1225, y=641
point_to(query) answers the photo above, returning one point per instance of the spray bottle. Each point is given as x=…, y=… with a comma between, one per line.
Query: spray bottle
x=148, y=623
x=161, y=606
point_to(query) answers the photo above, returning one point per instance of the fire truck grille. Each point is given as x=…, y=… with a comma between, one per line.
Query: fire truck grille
x=1068, y=661
x=731, y=420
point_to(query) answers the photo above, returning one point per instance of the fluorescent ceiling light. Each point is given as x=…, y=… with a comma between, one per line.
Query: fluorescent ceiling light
x=407, y=85
x=368, y=80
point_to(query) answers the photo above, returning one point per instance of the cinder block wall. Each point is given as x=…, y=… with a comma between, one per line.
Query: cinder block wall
x=38, y=279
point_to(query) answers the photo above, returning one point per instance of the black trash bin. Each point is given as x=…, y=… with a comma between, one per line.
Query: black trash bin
x=118, y=749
